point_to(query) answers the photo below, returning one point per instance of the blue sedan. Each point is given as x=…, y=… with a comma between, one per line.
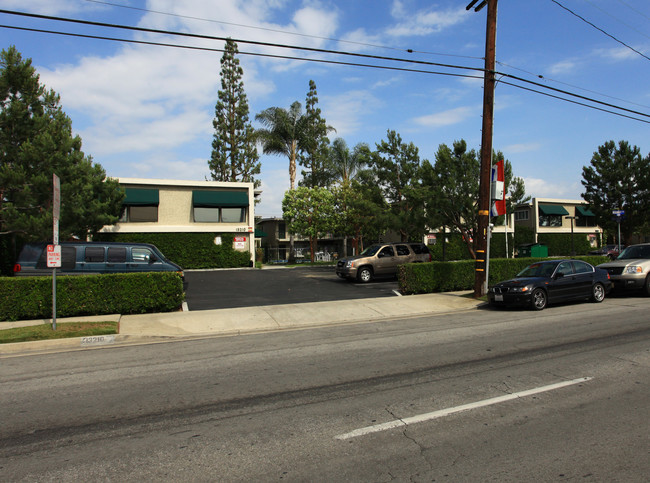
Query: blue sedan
x=551, y=281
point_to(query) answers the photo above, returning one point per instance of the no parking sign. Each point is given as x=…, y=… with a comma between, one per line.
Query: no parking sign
x=53, y=256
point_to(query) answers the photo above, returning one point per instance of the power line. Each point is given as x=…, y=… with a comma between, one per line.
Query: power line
x=540, y=76
x=617, y=19
x=599, y=29
x=255, y=54
x=284, y=32
x=240, y=41
x=403, y=69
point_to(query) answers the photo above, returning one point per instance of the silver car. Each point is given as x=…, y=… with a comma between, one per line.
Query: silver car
x=381, y=260
x=631, y=269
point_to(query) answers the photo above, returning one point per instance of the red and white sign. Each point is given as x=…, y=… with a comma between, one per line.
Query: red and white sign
x=53, y=256
x=498, y=190
x=240, y=242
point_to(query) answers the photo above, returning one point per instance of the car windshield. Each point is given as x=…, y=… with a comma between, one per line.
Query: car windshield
x=370, y=251
x=538, y=270
x=638, y=251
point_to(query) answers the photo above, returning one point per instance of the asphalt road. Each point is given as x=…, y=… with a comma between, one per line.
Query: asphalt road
x=308, y=405
x=221, y=289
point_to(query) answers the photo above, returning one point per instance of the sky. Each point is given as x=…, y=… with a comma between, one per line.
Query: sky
x=146, y=111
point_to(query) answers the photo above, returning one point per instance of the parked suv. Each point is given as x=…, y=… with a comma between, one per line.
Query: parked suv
x=631, y=269
x=381, y=260
x=81, y=258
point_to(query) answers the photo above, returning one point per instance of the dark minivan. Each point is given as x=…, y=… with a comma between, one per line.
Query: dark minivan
x=81, y=258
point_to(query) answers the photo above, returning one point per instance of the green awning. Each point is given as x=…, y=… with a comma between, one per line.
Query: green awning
x=552, y=210
x=582, y=211
x=219, y=199
x=141, y=197
x=260, y=233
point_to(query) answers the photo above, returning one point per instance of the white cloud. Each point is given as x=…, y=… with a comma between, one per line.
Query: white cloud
x=545, y=188
x=446, y=118
x=618, y=54
x=563, y=67
x=48, y=7
x=345, y=112
x=423, y=22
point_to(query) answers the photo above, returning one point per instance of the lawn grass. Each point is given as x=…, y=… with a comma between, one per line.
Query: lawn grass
x=63, y=331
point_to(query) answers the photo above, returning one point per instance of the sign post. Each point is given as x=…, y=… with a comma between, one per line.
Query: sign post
x=55, y=251
x=619, y=215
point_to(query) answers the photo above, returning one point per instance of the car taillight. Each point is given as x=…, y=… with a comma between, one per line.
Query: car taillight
x=17, y=268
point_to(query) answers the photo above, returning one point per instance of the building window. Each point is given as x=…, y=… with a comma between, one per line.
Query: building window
x=232, y=215
x=140, y=205
x=585, y=217
x=282, y=230
x=521, y=215
x=551, y=215
x=219, y=206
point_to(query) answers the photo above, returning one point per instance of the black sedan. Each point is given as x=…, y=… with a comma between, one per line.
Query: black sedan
x=551, y=281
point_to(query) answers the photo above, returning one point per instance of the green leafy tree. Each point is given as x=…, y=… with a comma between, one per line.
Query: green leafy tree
x=36, y=142
x=396, y=169
x=360, y=213
x=617, y=179
x=310, y=212
x=453, y=186
x=234, y=151
x=314, y=149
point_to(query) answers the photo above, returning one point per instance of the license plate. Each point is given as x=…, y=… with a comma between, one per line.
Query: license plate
x=498, y=298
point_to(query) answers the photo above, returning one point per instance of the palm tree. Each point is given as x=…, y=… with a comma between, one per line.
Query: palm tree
x=345, y=164
x=284, y=133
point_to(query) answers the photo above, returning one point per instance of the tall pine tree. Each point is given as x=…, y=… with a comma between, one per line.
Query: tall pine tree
x=314, y=155
x=234, y=151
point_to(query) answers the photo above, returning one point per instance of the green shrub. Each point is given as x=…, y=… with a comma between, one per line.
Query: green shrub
x=189, y=250
x=433, y=277
x=123, y=293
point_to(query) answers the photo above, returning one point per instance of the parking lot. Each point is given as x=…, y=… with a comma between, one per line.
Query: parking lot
x=220, y=289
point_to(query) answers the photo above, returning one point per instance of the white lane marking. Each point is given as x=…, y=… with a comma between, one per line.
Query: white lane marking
x=396, y=292
x=465, y=407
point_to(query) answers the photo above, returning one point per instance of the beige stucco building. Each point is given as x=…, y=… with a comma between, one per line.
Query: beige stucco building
x=550, y=215
x=168, y=206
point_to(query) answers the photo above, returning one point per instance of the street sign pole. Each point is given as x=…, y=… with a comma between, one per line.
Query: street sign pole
x=56, y=212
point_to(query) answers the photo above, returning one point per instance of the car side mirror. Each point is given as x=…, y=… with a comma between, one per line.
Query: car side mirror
x=153, y=258
x=558, y=275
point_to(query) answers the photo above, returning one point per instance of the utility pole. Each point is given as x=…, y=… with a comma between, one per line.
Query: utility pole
x=481, y=238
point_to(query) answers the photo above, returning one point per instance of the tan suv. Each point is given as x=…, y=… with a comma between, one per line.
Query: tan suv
x=631, y=269
x=381, y=260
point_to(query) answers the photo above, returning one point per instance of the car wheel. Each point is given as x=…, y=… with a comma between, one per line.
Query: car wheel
x=539, y=299
x=364, y=275
x=647, y=286
x=598, y=293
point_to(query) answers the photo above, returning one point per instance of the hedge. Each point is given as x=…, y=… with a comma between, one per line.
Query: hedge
x=432, y=277
x=189, y=250
x=123, y=293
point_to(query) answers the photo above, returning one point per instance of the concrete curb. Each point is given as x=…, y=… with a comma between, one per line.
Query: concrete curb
x=164, y=327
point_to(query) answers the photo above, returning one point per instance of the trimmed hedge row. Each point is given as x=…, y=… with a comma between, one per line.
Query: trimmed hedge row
x=189, y=250
x=432, y=277
x=123, y=293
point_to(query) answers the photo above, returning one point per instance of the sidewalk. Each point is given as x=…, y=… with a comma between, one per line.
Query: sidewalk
x=150, y=328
